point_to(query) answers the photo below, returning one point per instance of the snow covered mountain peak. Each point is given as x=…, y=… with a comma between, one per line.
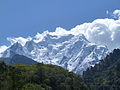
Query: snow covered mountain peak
x=72, y=52
x=39, y=37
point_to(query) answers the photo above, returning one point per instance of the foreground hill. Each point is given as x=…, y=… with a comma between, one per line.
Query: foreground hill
x=38, y=77
x=106, y=74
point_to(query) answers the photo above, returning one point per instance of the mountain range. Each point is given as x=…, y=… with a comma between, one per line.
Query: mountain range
x=72, y=52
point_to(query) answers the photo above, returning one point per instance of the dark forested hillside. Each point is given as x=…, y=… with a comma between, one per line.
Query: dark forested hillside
x=38, y=77
x=106, y=74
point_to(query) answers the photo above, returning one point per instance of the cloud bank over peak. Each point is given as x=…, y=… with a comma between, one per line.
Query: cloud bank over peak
x=100, y=31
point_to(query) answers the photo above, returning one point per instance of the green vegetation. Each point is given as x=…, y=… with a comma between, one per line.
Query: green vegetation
x=103, y=76
x=38, y=77
x=106, y=74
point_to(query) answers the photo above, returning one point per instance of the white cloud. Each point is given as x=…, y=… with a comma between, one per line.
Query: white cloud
x=39, y=37
x=3, y=48
x=60, y=32
x=100, y=31
x=116, y=14
x=20, y=40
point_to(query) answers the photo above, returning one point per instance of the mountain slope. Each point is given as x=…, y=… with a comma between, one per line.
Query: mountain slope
x=18, y=59
x=72, y=52
x=106, y=74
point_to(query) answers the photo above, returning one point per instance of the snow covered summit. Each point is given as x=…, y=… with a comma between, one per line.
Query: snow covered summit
x=72, y=52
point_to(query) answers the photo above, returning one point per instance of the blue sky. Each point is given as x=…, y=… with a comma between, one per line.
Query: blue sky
x=27, y=17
